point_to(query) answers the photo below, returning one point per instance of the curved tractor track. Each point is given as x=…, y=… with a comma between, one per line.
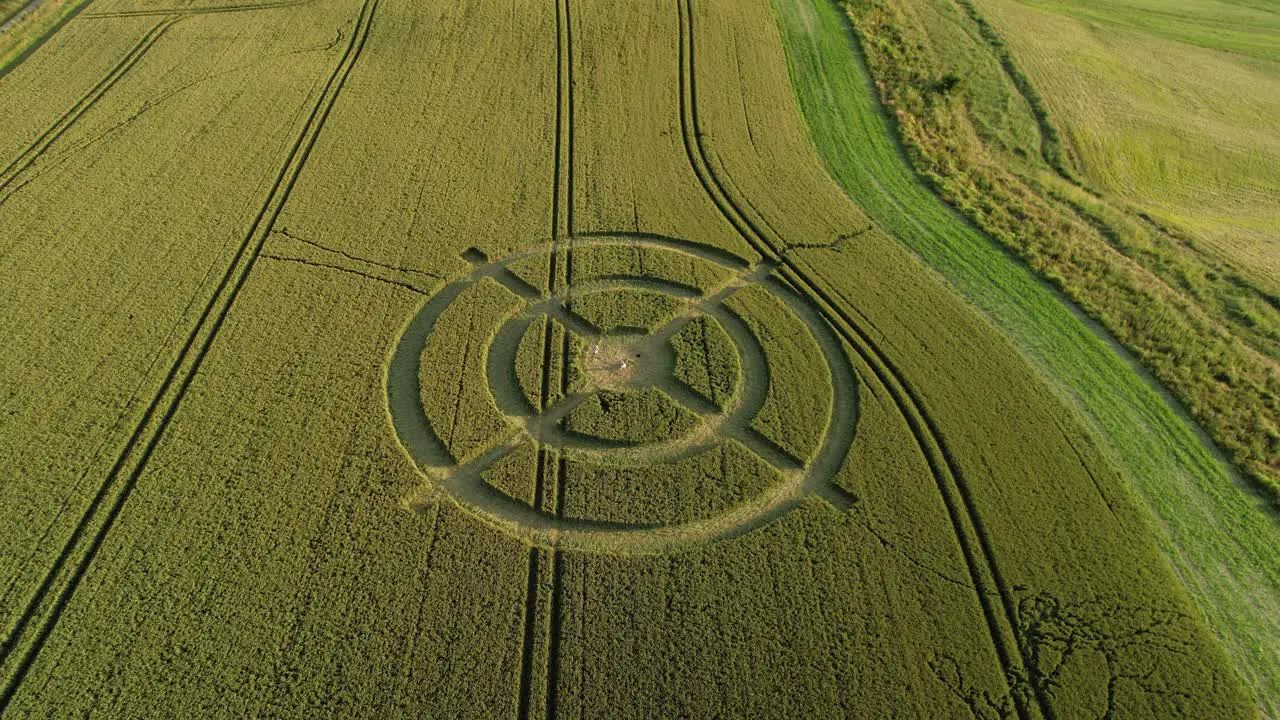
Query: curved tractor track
x=976, y=547
x=542, y=524
x=29, y=633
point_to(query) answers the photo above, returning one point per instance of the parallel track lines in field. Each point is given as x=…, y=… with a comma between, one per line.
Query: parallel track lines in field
x=954, y=491
x=549, y=492
x=62, y=580
x=169, y=18
x=565, y=93
x=60, y=126
x=525, y=692
x=561, y=226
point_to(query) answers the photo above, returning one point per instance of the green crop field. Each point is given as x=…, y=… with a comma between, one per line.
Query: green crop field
x=376, y=358
x=1170, y=107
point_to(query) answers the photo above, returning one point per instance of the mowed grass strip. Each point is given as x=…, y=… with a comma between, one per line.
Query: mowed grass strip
x=1203, y=327
x=25, y=26
x=1176, y=140
x=1203, y=518
x=9, y=8
x=1023, y=472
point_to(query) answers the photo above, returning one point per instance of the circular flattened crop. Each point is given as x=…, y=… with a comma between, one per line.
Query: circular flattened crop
x=689, y=395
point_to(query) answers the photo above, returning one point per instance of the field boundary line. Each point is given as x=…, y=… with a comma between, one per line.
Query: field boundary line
x=36, y=43
x=19, y=15
x=958, y=501
x=188, y=12
x=1052, y=148
x=60, y=584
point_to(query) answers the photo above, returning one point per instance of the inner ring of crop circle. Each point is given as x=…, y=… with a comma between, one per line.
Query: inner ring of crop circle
x=738, y=412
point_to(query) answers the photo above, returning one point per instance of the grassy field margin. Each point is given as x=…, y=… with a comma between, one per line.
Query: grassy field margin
x=26, y=34
x=1216, y=532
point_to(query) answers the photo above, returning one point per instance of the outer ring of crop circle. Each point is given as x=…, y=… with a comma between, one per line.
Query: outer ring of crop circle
x=512, y=517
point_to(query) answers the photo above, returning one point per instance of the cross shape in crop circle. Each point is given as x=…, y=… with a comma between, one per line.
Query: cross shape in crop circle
x=660, y=352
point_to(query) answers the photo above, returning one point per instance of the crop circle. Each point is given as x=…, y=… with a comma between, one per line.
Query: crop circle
x=630, y=366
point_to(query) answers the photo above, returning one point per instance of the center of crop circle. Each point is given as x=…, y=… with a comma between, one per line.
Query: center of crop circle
x=612, y=362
